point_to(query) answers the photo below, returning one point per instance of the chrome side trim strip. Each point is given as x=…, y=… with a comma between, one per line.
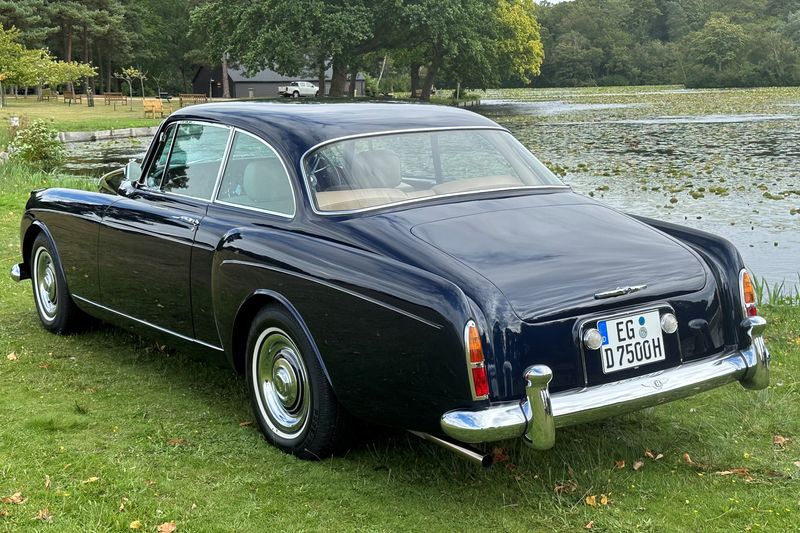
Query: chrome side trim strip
x=536, y=417
x=334, y=286
x=148, y=324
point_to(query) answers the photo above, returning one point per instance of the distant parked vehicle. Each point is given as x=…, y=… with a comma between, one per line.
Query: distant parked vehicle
x=296, y=89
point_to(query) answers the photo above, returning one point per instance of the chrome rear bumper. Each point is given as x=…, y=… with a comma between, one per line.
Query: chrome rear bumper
x=536, y=417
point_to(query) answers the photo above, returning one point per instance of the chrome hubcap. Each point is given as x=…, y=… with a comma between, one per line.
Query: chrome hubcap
x=281, y=381
x=46, y=284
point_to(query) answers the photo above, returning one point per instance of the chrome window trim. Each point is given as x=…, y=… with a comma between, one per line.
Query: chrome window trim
x=178, y=123
x=215, y=198
x=311, y=196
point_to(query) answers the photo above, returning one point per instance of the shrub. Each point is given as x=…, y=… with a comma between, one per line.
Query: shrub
x=38, y=145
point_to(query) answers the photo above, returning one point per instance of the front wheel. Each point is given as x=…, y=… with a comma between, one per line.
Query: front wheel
x=295, y=94
x=57, y=312
x=291, y=398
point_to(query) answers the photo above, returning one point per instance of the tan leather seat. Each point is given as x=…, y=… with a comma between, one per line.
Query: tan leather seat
x=477, y=184
x=266, y=186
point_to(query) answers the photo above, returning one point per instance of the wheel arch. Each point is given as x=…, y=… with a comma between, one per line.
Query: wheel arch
x=36, y=228
x=244, y=317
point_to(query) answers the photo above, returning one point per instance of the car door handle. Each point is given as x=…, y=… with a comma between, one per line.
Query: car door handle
x=187, y=219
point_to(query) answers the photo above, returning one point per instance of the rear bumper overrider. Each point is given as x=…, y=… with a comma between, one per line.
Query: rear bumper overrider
x=536, y=418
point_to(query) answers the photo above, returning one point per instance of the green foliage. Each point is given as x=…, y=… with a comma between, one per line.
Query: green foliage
x=708, y=43
x=38, y=145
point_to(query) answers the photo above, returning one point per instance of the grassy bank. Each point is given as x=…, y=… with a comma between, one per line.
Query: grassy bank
x=79, y=117
x=104, y=429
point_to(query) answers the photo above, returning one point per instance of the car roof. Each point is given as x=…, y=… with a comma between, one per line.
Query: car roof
x=300, y=126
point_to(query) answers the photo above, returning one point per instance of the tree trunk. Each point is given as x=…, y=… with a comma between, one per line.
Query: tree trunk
x=68, y=54
x=414, y=80
x=430, y=76
x=226, y=90
x=353, y=76
x=321, y=78
x=109, y=71
x=338, y=79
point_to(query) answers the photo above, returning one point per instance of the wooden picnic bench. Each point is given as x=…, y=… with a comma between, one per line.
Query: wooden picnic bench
x=72, y=96
x=191, y=98
x=47, y=93
x=153, y=106
x=114, y=97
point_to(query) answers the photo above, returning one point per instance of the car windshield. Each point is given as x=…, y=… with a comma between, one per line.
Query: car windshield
x=385, y=169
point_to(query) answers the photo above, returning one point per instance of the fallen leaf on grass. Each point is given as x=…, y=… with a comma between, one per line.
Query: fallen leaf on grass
x=735, y=471
x=638, y=464
x=149, y=482
x=44, y=366
x=44, y=515
x=797, y=464
x=122, y=504
x=92, y=479
x=3, y=513
x=619, y=465
x=659, y=456
x=499, y=455
x=566, y=487
x=589, y=525
x=46, y=482
x=593, y=501
x=15, y=498
x=648, y=453
x=687, y=459
x=167, y=527
x=176, y=442
x=12, y=356
x=245, y=423
x=135, y=525
x=780, y=440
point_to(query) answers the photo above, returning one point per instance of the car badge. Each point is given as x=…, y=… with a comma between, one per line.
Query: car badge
x=619, y=291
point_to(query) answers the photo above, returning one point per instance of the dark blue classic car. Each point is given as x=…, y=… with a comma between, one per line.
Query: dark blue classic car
x=408, y=265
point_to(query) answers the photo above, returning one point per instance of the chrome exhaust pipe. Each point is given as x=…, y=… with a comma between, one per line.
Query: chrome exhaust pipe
x=483, y=459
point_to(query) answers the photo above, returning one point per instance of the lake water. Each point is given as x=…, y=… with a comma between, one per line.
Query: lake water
x=724, y=161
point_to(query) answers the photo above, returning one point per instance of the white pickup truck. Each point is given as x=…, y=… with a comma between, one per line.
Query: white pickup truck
x=296, y=89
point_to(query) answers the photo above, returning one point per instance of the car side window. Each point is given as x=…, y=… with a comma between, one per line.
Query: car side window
x=195, y=159
x=156, y=172
x=255, y=177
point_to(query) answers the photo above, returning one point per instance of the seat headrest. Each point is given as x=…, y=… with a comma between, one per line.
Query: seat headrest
x=266, y=181
x=377, y=168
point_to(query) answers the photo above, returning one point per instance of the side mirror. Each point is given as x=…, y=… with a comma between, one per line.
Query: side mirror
x=133, y=171
x=111, y=182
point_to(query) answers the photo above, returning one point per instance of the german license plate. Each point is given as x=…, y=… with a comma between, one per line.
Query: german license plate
x=631, y=341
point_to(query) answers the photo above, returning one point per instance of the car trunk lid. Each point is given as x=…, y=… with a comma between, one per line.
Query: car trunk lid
x=552, y=259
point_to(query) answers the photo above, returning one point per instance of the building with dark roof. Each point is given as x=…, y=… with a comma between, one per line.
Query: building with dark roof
x=262, y=84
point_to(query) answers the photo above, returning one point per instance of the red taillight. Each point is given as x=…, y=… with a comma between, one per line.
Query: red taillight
x=475, y=361
x=748, y=294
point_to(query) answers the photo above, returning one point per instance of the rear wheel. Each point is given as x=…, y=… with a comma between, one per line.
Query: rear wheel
x=55, y=307
x=292, y=401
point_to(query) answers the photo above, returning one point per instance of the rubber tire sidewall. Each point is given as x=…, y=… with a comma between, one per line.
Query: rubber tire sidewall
x=322, y=435
x=66, y=311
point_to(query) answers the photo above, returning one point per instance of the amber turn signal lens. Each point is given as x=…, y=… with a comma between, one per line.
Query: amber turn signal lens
x=474, y=344
x=748, y=294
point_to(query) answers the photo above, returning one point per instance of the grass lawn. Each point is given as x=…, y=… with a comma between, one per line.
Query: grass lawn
x=80, y=117
x=103, y=430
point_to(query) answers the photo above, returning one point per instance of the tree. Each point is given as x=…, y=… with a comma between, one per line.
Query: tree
x=11, y=53
x=719, y=42
x=129, y=74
